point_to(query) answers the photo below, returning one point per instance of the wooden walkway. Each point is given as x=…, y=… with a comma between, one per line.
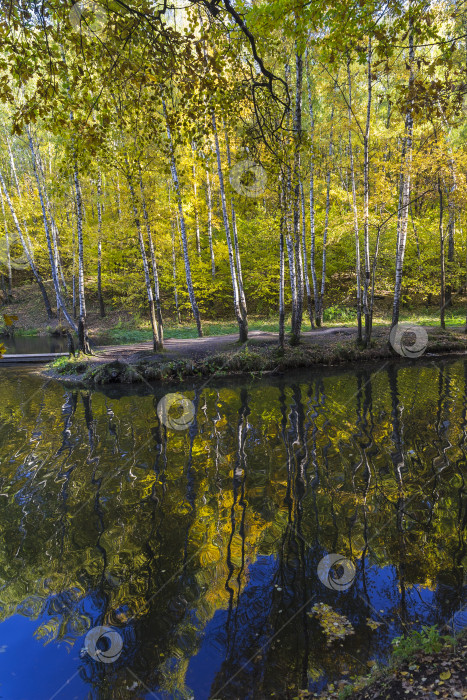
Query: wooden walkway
x=31, y=359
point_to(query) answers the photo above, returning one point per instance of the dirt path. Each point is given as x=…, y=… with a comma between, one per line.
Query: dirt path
x=201, y=347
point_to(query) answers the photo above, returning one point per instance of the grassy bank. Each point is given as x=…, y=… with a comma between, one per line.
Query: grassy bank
x=140, y=331
x=257, y=357
x=423, y=664
x=124, y=324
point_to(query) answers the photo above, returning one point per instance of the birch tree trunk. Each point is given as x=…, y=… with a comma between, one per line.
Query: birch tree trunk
x=451, y=229
x=74, y=273
x=405, y=190
x=195, y=201
x=297, y=314
x=366, y=194
x=155, y=272
x=242, y=322
x=18, y=189
x=241, y=290
x=174, y=273
x=281, y=264
x=8, y=256
x=451, y=237
x=288, y=229
x=99, y=246
x=178, y=194
x=442, y=301
x=373, y=274
x=13, y=166
x=312, y=194
x=28, y=255
x=209, y=208
x=319, y=313
x=451, y=225
x=288, y=209
x=58, y=294
x=355, y=211
x=51, y=219
x=152, y=309
x=305, y=261
x=83, y=345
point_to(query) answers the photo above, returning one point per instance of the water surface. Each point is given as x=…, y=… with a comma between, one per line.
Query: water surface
x=32, y=344
x=200, y=547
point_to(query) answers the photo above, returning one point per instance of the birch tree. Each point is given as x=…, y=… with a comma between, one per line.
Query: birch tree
x=99, y=246
x=354, y=210
x=155, y=272
x=320, y=307
x=157, y=342
x=404, y=199
x=297, y=310
x=178, y=196
x=366, y=194
x=28, y=255
x=242, y=321
x=312, y=193
x=7, y=248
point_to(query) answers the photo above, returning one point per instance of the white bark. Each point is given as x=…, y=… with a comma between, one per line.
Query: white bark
x=404, y=193
x=18, y=189
x=242, y=325
x=297, y=312
x=7, y=241
x=209, y=208
x=195, y=193
x=155, y=272
x=82, y=336
x=366, y=194
x=60, y=301
x=326, y=222
x=178, y=194
x=282, y=266
x=174, y=272
x=355, y=211
x=305, y=261
x=241, y=290
x=312, y=194
x=147, y=278
x=99, y=246
x=34, y=270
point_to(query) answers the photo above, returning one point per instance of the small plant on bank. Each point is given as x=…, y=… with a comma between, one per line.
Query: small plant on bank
x=69, y=365
x=428, y=640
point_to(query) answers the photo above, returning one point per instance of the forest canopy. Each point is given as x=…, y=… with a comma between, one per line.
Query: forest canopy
x=215, y=159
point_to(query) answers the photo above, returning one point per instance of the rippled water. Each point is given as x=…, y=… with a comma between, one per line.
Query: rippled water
x=200, y=548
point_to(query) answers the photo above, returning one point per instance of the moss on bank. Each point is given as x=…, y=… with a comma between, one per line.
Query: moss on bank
x=255, y=358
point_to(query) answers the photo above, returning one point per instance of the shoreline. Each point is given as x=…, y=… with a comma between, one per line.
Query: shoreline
x=429, y=668
x=222, y=356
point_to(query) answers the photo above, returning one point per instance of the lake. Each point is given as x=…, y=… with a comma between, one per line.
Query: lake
x=264, y=536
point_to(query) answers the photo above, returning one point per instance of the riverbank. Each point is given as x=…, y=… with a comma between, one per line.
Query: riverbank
x=427, y=666
x=223, y=355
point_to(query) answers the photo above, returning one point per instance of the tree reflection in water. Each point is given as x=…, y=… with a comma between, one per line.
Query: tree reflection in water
x=201, y=546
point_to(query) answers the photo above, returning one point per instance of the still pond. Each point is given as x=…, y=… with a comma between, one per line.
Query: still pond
x=205, y=550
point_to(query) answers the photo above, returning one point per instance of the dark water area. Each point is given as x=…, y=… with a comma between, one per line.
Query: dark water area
x=203, y=543
x=32, y=344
